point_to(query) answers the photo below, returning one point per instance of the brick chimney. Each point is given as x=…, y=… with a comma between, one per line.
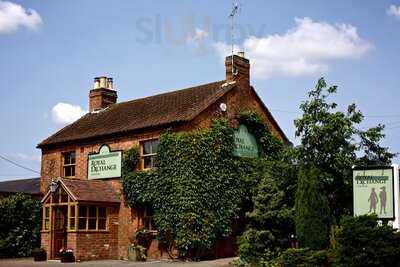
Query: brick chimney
x=102, y=95
x=240, y=71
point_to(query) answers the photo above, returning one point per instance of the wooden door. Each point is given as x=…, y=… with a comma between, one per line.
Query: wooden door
x=59, y=230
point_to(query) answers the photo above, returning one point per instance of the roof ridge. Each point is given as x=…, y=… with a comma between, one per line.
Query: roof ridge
x=167, y=93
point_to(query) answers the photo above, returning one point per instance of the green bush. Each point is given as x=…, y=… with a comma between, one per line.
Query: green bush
x=361, y=242
x=19, y=225
x=303, y=258
x=312, y=210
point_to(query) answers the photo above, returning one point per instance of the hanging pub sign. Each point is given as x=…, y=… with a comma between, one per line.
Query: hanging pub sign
x=245, y=143
x=105, y=164
x=373, y=191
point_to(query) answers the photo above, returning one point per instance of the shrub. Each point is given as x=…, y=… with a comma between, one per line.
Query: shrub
x=303, y=258
x=19, y=225
x=312, y=210
x=362, y=242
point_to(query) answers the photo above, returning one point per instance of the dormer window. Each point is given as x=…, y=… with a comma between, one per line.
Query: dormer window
x=69, y=164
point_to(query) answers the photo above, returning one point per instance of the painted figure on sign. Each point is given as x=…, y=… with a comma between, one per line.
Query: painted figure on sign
x=382, y=198
x=373, y=200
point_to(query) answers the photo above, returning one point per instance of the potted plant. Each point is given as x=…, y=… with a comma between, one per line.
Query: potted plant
x=67, y=255
x=39, y=254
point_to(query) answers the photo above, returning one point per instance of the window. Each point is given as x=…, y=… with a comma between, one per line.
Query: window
x=149, y=153
x=46, y=218
x=72, y=217
x=147, y=221
x=69, y=164
x=92, y=218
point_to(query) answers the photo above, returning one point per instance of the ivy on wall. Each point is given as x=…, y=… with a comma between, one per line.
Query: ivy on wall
x=199, y=187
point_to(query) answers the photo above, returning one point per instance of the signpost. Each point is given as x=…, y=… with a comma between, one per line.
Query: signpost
x=376, y=190
x=245, y=144
x=105, y=164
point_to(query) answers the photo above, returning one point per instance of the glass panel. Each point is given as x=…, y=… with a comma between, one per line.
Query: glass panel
x=69, y=158
x=92, y=211
x=64, y=197
x=69, y=171
x=82, y=211
x=102, y=212
x=147, y=162
x=154, y=147
x=146, y=147
x=46, y=224
x=92, y=224
x=72, y=211
x=47, y=212
x=82, y=224
x=72, y=223
x=102, y=224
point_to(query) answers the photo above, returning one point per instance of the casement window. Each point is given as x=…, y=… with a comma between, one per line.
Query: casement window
x=149, y=153
x=46, y=218
x=69, y=164
x=147, y=220
x=92, y=218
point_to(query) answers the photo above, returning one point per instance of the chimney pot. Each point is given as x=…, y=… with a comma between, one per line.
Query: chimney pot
x=110, y=83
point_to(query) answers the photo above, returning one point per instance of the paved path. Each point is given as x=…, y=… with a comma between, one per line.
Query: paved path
x=28, y=262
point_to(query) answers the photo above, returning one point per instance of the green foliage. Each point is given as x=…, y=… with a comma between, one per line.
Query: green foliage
x=303, y=258
x=331, y=141
x=312, y=210
x=271, y=222
x=198, y=188
x=363, y=243
x=131, y=160
x=19, y=225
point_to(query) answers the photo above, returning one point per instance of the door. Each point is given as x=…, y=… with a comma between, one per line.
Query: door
x=59, y=230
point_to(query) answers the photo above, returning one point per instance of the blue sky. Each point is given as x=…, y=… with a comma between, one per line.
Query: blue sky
x=50, y=51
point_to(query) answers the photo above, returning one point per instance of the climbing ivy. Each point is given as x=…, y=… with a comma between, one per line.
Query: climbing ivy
x=199, y=187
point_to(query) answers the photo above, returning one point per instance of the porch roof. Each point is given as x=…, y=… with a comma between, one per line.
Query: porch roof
x=88, y=190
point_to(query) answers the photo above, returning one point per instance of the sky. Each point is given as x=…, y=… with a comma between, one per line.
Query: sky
x=50, y=51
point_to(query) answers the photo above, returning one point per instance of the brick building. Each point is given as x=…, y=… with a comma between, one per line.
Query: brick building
x=90, y=215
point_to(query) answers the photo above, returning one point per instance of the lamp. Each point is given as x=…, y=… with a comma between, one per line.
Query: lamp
x=53, y=186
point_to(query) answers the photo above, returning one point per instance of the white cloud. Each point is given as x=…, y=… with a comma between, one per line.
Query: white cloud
x=65, y=113
x=197, y=35
x=393, y=11
x=13, y=16
x=307, y=48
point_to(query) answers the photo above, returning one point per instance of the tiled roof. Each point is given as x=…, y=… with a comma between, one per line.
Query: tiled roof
x=28, y=186
x=177, y=106
x=91, y=190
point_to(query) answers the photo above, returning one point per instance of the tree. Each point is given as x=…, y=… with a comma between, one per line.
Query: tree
x=312, y=209
x=330, y=140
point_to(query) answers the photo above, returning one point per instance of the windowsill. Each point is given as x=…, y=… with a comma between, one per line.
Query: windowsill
x=45, y=231
x=88, y=231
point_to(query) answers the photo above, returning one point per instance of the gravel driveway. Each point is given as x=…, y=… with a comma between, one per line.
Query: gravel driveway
x=28, y=262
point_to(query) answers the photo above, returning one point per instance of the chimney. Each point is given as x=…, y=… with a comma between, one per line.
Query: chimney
x=102, y=95
x=240, y=71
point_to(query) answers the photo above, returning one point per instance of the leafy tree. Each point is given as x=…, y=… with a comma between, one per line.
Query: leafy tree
x=331, y=140
x=19, y=225
x=362, y=242
x=271, y=222
x=312, y=210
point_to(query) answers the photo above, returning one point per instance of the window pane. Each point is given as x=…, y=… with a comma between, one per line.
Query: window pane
x=72, y=223
x=72, y=211
x=102, y=212
x=92, y=211
x=146, y=147
x=154, y=147
x=92, y=224
x=69, y=171
x=147, y=162
x=64, y=197
x=47, y=212
x=82, y=224
x=102, y=224
x=82, y=211
x=46, y=224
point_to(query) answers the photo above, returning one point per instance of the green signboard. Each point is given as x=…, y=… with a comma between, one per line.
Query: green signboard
x=245, y=143
x=105, y=164
x=373, y=192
